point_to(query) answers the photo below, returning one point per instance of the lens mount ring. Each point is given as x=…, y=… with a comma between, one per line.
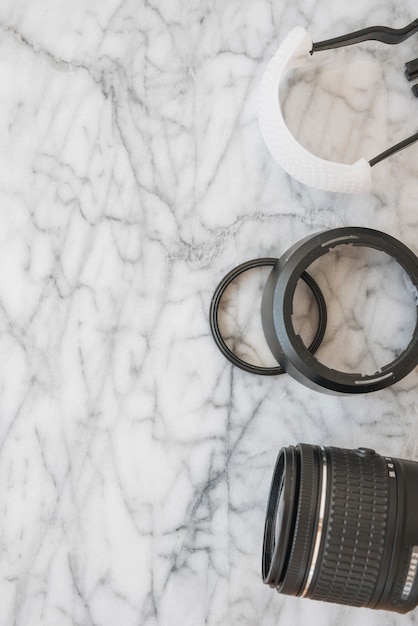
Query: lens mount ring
x=214, y=314
x=287, y=346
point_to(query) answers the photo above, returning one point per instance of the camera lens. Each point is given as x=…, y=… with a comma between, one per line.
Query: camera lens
x=342, y=526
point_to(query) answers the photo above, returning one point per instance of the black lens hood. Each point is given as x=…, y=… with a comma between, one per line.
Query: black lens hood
x=277, y=308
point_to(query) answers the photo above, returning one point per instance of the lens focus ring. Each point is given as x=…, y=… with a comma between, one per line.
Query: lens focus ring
x=305, y=520
x=355, y=535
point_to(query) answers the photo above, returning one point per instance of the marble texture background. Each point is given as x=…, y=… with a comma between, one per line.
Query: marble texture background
x=135, y=461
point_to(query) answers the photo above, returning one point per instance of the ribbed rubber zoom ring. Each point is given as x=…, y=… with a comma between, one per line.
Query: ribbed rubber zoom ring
x=354, y=538
x=305, y=520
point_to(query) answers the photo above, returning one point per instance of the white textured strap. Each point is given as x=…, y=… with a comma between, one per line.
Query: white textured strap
x=287, y=151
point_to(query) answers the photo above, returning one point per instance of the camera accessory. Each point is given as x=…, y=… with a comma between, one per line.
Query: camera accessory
x=411, y=69
x=411, y=72
x=277, y=307
x=214, y=310
x=341, y=526
x=286, y=150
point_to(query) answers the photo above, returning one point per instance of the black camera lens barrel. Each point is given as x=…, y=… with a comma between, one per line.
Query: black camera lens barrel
x=348, y=532
x=277, y=308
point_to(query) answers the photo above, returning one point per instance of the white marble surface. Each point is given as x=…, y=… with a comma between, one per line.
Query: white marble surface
x=134, y=460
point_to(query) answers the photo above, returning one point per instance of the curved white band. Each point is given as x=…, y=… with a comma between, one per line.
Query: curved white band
x=287, y=151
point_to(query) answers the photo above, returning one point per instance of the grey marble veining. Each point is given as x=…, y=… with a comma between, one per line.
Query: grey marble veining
x=134, y=460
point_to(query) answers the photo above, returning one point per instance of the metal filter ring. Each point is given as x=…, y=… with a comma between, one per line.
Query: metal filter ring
x=214, y=311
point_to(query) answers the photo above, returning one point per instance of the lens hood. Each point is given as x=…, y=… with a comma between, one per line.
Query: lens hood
x=277, y=308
